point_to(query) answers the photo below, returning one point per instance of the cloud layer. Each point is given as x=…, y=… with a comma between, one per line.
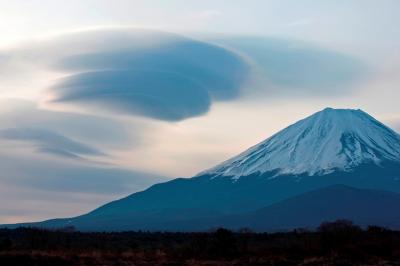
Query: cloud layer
x=298, y=68
x=36, y=166
x=36, y=182
x=48, y=174
x=102, y=132
x=50, y=142
x=171, y=79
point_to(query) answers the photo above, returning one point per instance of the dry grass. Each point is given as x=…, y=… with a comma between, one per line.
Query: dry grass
x=339, y=243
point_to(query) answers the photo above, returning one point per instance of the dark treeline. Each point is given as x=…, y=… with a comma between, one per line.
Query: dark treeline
x=336, y=243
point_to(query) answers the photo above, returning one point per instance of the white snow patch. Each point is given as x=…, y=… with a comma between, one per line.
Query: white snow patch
x=324, y=142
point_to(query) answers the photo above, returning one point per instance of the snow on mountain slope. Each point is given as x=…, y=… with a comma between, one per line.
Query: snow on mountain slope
x=329, y=140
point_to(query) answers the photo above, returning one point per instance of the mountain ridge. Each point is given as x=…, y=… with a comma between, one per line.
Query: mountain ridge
x=209, y=196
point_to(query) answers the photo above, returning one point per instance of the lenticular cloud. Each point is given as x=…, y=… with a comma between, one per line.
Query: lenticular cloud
x=170, y=78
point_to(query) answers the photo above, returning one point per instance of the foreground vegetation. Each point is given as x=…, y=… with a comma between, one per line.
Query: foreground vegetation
x=337, y=243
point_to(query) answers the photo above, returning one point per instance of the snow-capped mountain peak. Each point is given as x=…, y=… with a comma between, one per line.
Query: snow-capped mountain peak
x=329, y=140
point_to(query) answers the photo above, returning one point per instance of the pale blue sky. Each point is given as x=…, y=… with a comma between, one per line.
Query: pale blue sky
x=148, y=90
x=326, y=20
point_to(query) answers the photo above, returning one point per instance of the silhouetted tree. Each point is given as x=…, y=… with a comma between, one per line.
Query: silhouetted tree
x=224, y=243
x=338, y=226
x=5, y=243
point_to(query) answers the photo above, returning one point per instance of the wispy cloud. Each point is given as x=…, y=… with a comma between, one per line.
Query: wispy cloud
x=105, y=133
x=290, y=68
x=36, y=165
x=50, y=142
x=38, y=187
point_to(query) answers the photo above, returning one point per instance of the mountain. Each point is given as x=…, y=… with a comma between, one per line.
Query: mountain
x=362, y=206
x=331, y=147
x=327, y=141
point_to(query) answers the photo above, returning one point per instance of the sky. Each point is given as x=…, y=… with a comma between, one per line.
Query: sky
x=100, y=99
